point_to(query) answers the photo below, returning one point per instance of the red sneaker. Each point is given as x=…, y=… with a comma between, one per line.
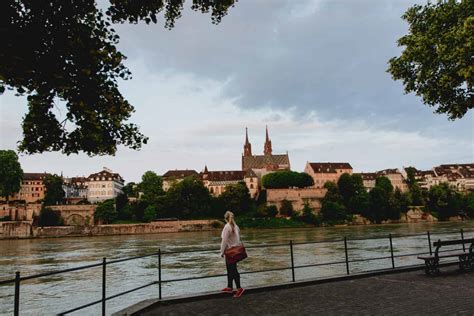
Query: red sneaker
x=227, y=290
x=239, y=292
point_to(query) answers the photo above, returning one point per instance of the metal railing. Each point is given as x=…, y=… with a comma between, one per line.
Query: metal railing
x=159, y=254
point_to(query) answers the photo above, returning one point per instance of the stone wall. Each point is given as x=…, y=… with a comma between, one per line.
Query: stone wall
x=297, y=197
x=11, y=230
x=26, y=230
x=20, y=212
x=76, y=215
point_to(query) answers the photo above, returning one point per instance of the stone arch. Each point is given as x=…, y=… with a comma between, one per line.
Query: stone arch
x=75, y=220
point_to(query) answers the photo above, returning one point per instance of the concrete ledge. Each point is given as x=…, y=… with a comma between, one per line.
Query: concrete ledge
x=149, y=304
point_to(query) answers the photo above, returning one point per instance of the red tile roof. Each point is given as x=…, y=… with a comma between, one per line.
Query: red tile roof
x=329, y=167
x=33, y=176
x=179, y=174
x=231, y=175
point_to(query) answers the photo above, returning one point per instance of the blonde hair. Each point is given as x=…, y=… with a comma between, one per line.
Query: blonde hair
x=229, y=218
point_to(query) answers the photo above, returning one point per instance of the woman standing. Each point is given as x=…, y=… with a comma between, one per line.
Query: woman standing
x=231, y=238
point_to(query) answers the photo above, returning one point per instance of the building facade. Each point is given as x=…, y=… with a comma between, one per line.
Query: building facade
x=396, y=178
x=321, y=172
x=217, y=181
x=32, y=188
x=75, y=189
x=459, y=176
x=368, y=179
x=103, y=185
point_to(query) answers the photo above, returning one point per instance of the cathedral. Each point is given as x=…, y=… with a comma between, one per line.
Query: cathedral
x=266, y=163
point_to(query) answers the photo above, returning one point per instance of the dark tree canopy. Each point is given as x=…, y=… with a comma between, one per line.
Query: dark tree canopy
x=66, y=50
x=287, y=179
x=236, y=198
x=105, y=212
x=437, y=61
x=11, y=173
x=54, y=190
x=151, y=186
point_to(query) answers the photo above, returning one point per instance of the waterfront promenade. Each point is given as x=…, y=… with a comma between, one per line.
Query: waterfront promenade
x=406, y=293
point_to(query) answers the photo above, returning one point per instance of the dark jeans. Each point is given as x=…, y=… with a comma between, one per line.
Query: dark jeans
x=232, y=275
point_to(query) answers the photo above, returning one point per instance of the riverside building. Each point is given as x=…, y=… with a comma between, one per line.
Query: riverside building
x=103, y=185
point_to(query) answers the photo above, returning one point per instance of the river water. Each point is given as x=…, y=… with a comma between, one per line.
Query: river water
x=51, y=295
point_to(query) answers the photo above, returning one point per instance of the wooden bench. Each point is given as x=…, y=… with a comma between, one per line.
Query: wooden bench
x=466, y=259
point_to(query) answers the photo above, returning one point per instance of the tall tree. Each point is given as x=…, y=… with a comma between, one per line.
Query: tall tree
x=188, y=198
x=11, y=173
x=411, y=180
x=54, y=192
x=333, y=210
x=436, y=62
x=384, y=183
x=67, y=50
x=236, y=198
x=444, y=201
x=105, y=212
x=151, y=186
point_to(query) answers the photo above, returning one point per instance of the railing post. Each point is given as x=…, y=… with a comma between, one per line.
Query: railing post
x=429, y=243
x=391, y=250
x=159, y=273
x=462, y=238
x=347, y=255
x=16, y=310
x=292, y=262
x=104, y=279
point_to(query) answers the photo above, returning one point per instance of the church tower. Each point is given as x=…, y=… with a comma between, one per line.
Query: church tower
x=267, y=149
x=247, y=146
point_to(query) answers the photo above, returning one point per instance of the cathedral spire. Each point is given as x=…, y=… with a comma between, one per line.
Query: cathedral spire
x=267, y=148
x=247, y=146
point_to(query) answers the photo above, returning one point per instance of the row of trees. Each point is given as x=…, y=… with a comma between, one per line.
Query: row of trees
x=383, y=202
x=185, y=199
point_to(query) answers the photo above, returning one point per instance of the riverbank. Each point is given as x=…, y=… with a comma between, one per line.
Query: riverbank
x=25, y=230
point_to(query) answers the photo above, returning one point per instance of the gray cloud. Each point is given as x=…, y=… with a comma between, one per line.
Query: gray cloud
x=327, y=56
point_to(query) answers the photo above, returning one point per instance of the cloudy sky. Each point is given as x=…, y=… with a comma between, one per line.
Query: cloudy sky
x=314, y=71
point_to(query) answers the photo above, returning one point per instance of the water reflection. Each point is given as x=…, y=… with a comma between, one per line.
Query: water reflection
x=53, y=294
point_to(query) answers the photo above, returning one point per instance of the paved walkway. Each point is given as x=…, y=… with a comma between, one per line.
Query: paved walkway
x=410, y=293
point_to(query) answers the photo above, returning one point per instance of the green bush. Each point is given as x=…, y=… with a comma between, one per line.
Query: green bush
x=106, y=212
x=150, y=213
x=287, y=179
x=266, y=211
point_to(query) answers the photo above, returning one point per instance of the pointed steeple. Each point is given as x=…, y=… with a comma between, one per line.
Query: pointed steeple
x=267, y=148
x=205, y=169
x=247, y=146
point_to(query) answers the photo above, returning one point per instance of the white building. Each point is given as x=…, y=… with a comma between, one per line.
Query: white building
x=103, y=185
